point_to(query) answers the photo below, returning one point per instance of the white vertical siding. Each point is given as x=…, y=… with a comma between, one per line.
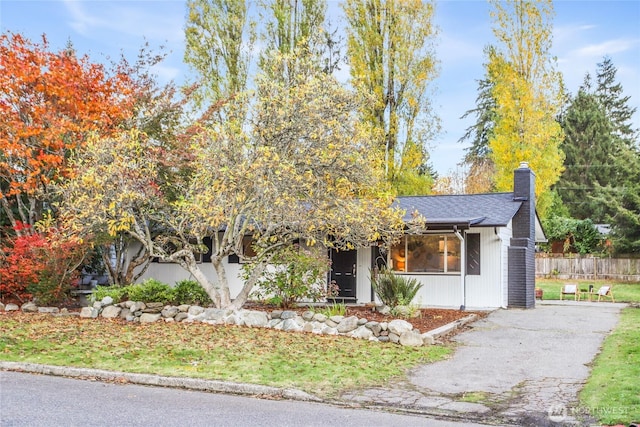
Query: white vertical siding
x=485, y=290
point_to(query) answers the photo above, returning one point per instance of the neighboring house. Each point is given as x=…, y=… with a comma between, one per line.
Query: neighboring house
x=478, y=252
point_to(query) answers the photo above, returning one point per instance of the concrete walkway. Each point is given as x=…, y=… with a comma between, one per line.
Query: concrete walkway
x=514, y=367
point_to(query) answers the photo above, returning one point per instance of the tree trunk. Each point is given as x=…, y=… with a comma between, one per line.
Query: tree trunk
x=223, y=283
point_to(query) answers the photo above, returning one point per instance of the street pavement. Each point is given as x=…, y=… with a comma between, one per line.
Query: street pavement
x=514, y=367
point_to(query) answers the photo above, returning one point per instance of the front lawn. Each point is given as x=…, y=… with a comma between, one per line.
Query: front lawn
x=322, y=365
x=612, y=393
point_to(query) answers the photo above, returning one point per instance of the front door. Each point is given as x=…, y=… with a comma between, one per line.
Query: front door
x=343, y=271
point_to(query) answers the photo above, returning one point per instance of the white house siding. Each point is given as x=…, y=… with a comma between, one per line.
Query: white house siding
x=438, y=290
x=485, y=290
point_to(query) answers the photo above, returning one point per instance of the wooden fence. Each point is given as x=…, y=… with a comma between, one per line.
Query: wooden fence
x=588, y=268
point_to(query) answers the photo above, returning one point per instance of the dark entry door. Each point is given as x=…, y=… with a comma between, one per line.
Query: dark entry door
x=343, y=271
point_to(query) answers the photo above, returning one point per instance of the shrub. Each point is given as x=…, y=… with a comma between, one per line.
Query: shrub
x=394, y=290
x=40, y=264
x=117, y=293
x=190, y=292
x=337, y=309
x=298, y=274
x=151, y=290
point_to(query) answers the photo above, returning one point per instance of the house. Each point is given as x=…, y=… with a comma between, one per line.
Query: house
x=477, y=252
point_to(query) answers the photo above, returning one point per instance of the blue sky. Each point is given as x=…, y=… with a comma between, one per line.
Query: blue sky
x=584, y=32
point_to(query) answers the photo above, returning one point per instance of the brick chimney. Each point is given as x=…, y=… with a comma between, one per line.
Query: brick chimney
x=521, y=250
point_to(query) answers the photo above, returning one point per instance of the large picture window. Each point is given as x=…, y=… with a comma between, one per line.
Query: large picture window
x=428, y=253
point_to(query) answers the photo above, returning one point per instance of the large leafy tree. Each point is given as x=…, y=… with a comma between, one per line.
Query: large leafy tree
x=528, y=92
x=390, y=52
x=305, y=168
x=49, y=103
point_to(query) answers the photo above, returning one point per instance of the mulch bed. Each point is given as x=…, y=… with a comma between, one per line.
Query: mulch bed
x=427, y=320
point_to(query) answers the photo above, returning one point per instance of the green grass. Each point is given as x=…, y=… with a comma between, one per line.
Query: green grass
x=323, y=365
x=622, y=292
x=612, y=393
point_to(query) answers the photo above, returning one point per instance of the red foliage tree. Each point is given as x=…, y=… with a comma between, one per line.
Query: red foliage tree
x=49, y=103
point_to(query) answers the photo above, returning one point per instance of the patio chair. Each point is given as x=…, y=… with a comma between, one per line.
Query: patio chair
x=606, y=292
x=570, y=289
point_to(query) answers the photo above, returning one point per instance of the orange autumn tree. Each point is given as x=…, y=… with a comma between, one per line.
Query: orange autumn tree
x=49, y=103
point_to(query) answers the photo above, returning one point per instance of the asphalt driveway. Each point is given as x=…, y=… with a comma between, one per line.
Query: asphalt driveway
x=514, y=367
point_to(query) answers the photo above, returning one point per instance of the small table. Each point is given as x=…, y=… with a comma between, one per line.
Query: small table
x=588, y=293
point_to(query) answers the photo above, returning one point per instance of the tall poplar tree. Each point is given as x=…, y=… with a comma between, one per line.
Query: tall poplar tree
x=219, y=36
x=297, y=30
x=391, y=54
x=528, y=92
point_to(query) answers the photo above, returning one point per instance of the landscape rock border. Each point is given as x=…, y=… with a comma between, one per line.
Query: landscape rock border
x=396, y=331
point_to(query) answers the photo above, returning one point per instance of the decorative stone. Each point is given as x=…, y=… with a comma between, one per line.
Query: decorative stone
x=290, y=325
x=383, y=338
x=11, y=307
x=362, y=332
x=217, y=315
x=169, y=311
x=362, y=321
x=308, y=315
x=399, y=326
x=195, y=310
x=411, y=339
x=347, y=324
x=319, y=317
x=329, y=331
x=394, y=338
x=375, y=327
x=125, y=312
x=131, y=318
x=97, y=304
x=29, y=307
x=330, y=323
x=181, y=316
x=128, y=303
x=48, y=310
x=308, y=327
x=276, y=314
x=255, y=318
x=183, y=308
x=274, y=323
x=111, y=311
x=336, y=319
x=137, y=306
x=149, y=317
x=89, y=312
x=428, y=339
x=287, y=314
x=155, y=305
x=383, y=309
x=106, y=301
x=169, y=319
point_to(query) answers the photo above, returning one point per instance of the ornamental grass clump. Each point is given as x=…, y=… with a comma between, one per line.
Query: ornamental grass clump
x=394, y=290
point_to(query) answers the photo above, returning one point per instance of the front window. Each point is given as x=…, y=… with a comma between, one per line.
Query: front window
x=429, y=253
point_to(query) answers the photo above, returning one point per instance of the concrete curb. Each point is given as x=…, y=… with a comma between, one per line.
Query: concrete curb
x=161, y=381
x=449, y=327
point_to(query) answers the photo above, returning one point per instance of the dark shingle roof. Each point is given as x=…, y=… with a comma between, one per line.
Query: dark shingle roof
x=480, y=210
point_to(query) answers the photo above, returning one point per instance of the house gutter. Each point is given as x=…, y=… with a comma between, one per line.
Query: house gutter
x=463, y=267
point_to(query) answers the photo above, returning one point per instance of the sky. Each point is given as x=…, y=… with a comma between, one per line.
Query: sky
x=584, y=33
